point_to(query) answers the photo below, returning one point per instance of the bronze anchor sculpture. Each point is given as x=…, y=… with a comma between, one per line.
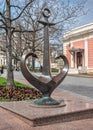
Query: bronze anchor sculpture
x=45, y=84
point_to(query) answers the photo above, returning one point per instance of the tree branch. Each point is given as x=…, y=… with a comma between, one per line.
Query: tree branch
x=2, y=22
x=22, y=11
x=29, y=31
x=2, y=15
x=2, y=27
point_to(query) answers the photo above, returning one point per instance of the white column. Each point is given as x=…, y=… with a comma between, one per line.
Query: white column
x=64, y=49
x=83, y=59
x=86, y=53
x=72, y=58
x=75, y=60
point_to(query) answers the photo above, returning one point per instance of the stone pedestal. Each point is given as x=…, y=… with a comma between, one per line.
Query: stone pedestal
x=75, y=109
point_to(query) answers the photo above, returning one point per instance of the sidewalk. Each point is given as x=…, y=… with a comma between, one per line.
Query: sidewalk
x=10, y=121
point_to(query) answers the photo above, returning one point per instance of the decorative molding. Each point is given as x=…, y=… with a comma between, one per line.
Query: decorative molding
x=79, y=33
x=86, y=53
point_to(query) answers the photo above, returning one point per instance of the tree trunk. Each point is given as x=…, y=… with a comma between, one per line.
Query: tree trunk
x=33, y=63
x=10, y=77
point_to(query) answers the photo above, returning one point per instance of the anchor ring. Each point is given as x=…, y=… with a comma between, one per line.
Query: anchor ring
x=46, y=12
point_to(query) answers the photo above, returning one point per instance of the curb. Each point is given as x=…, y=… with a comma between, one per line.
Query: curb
x=77, y=75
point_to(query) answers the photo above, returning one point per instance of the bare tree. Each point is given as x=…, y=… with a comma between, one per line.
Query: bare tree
x=63, y=14
x=32, y=39
x=6, y=21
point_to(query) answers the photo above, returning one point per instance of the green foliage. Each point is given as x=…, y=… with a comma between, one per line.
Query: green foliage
x=55, y=70
x=35, y=70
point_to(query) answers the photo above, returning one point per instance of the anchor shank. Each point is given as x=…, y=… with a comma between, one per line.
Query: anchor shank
x=46, y=57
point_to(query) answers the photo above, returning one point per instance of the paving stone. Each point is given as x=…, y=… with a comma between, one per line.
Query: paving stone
x=9, y=121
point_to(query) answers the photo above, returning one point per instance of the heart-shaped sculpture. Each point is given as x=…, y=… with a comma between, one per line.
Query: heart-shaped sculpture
x=45, y=85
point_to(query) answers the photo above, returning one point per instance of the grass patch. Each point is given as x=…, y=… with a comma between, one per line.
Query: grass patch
x=3, y=82
x=55, y=70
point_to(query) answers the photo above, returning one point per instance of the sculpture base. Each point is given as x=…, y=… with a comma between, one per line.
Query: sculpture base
x=76, y=109
x=48, y=102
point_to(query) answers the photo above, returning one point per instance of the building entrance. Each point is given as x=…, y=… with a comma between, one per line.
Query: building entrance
x=79, y=59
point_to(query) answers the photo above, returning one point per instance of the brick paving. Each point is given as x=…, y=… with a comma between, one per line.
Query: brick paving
x=8, y=121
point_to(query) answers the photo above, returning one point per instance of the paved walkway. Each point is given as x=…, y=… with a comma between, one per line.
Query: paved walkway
x=8, y=121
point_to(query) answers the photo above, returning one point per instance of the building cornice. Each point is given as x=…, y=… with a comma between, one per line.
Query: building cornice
x=78, y=32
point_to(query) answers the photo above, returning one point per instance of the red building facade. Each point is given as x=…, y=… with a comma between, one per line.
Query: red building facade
x=78, y=47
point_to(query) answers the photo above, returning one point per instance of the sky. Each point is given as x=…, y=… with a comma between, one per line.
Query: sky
x=88, y=18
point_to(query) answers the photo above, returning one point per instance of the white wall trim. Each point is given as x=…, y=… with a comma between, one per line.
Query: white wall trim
x=86, y=53
x=72, y=60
